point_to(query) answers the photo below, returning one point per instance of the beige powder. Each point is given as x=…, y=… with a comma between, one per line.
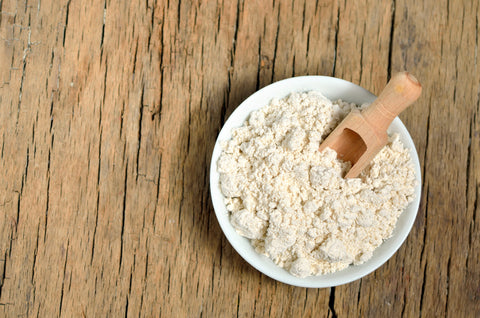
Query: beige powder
x=292, y=201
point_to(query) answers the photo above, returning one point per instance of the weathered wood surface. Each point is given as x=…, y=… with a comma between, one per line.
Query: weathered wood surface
x=109, y=111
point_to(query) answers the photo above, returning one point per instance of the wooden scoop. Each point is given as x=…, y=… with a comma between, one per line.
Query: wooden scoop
x=362, y=134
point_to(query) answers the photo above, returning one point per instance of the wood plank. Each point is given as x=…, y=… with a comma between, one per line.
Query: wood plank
x=109, y=112
x=443, y=135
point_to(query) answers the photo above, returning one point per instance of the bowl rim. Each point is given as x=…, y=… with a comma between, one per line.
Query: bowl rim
x=262, y=263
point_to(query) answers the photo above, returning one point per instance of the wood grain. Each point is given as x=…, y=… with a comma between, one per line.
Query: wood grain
x=109, y=111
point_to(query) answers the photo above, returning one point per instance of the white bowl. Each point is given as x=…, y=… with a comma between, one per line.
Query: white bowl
x=333, y=88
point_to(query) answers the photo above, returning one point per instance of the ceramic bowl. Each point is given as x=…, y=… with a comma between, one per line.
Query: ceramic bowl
x=332, y=88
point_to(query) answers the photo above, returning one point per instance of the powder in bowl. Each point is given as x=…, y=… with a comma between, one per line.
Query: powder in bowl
x=291, y=201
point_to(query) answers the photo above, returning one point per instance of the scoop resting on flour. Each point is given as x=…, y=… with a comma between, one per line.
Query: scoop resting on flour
x=362, y=134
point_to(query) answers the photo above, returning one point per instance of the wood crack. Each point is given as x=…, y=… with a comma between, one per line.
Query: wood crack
x=259, y=65
x=63, y=281
x=179, y=11
x=448, y=284
x=361, y=52
x=404, y=303
x=35, y=251
x=293, y=66
x=3, y=273
x=100, y=109
x=304, y=302
x=218, y=14
x=47, y=203
x=20, y=193
x=99, y=149
x=303, y=15
x=238, y=304
x=139, y=136
x=472, y=224
x=390, y=45
x=162, y=74
x=337, y=29
x=447, y=10
x=308, y=42
x=422, y=294
x=189, y=112
x=123, y=215
x=66, y=22
x=98, y=192
x=134, y=66
x=206, y=196
x=427, y=138
x=359, y=291
x=157, y=195
x=180, y=210
x=469, y=155
x=122, y=112
x=129, y=291
x=331, y=302
x=102, y=38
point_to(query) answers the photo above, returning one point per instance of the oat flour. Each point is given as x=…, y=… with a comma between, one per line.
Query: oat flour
x=292, y=201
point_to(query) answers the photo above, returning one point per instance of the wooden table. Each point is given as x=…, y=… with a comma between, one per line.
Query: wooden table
x=108, y=115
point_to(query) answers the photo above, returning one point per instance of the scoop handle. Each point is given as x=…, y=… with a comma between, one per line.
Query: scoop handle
x=401, y=91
